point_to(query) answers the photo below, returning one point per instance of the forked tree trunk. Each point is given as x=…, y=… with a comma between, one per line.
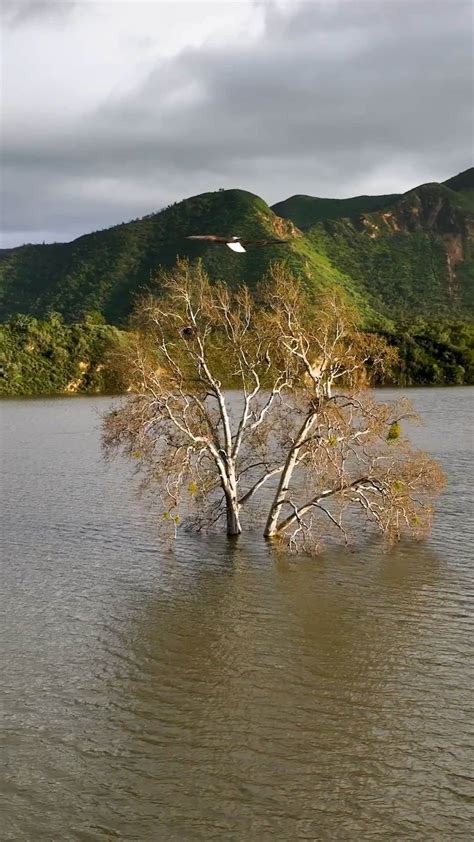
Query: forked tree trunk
x=271, y=526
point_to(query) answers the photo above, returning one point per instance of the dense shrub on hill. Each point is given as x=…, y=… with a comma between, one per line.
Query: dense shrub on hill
x=436, y=353
x=46, y=357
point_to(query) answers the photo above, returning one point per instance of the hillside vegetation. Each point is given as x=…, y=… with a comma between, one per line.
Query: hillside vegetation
x=47, y=357
x=415, y=256
x=399, y=257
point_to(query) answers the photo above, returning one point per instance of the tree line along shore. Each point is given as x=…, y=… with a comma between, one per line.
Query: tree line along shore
x=52, y=357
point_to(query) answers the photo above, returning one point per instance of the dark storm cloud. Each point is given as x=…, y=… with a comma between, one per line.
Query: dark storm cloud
x=331, y=97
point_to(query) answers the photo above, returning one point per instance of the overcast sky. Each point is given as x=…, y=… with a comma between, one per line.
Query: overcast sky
x=113, y=110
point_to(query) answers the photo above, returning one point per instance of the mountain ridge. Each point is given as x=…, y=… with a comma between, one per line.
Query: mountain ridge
x=393, y=254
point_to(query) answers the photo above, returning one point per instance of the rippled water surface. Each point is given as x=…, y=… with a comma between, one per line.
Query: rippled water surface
x=208, y=691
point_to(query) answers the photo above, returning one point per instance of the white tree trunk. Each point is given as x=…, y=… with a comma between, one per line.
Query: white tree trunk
x=271, y=526
x=233, y=521
x=231, y=500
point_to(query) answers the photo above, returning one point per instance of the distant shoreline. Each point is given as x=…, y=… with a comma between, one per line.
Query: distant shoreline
x=115, y=396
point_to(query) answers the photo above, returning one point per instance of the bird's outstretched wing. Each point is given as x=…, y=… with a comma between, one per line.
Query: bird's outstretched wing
x=263, y=242
x=216, y=238
x=234, y=243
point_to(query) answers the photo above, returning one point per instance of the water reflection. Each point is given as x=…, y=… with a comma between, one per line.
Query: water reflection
x=286, y=699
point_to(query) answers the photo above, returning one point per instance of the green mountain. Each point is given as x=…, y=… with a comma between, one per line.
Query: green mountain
x=398, y=255
x=306, y=211
x=406, y=260
x=414, y=257
x=104, y=270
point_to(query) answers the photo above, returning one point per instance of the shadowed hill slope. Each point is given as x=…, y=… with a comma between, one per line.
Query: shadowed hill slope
x=306, y=211
x=462, y=181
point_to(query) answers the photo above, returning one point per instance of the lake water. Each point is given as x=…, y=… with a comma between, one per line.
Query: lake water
x=210, y=691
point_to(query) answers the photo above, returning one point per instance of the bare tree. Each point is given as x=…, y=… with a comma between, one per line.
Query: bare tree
x=235, y=395
x=193, y=437
x=345, y=449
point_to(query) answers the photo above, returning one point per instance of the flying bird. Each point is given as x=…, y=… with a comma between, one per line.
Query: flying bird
x=235, y=243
